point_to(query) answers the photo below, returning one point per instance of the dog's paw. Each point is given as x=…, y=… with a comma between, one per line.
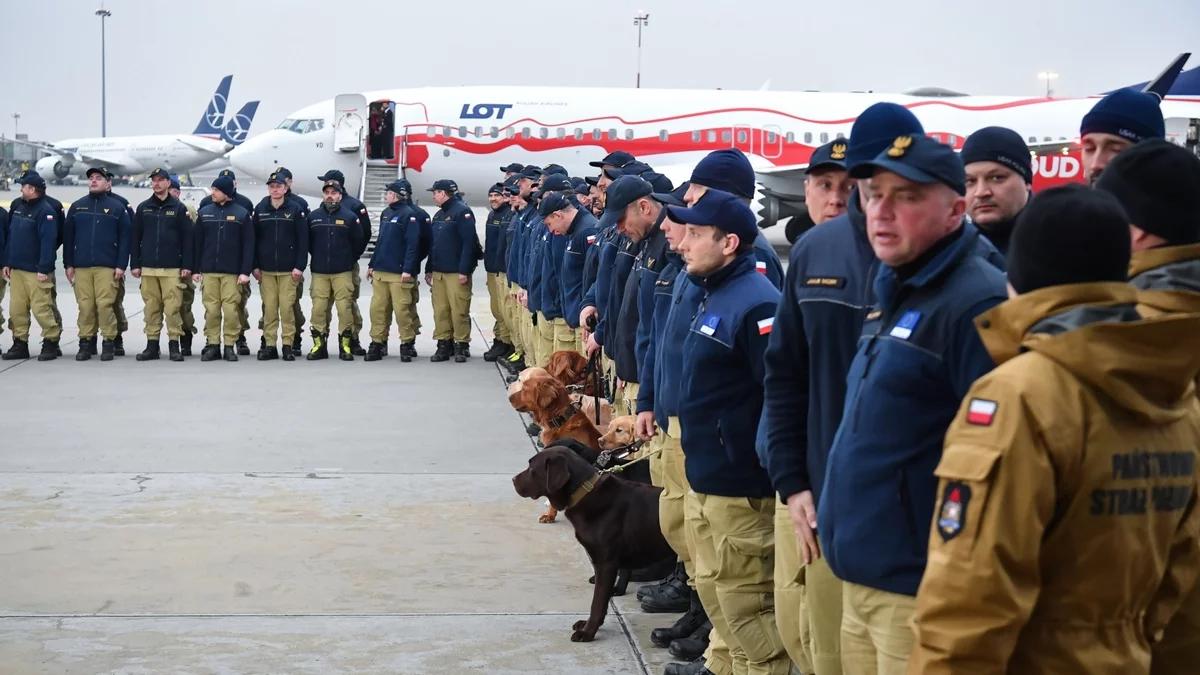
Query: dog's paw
x=546, y=518
x=579, y=632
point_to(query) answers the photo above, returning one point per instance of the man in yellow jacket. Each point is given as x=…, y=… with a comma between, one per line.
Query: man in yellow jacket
x=1158, y=183
x=1064, y=533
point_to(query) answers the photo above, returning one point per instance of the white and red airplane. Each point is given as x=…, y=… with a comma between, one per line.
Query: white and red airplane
x=468, y=133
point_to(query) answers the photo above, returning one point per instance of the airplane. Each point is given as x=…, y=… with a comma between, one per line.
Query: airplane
x=467, y=133
x=212, y=138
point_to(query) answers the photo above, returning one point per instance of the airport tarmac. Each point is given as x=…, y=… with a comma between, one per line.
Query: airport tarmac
x=307, y=517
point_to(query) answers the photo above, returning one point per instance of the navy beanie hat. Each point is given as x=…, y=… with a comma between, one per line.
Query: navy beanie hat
x=1069, y=235
x=726, y=170
x=1128, y=113
x=1158, y=183
x=876, y=128
x=225, y=185
x=1000, y=145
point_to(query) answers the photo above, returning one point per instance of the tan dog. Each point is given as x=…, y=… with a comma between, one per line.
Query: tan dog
x=621, y=432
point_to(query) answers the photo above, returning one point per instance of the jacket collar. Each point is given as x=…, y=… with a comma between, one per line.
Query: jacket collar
x=743, y=264
x=1166, y=257
x=888, y=284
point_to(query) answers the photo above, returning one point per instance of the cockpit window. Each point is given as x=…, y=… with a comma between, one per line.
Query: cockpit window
x=302, y=126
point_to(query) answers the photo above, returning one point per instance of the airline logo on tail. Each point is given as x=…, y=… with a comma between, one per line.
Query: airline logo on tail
x=238, y=127
x=214, y=115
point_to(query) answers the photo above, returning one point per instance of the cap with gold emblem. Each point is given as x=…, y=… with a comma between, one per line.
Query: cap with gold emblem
x=832, y=155
x=919, y=159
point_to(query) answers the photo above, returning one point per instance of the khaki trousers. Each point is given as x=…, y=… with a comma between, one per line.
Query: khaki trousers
x=3, y=288
x=390, y=295
x=451, y=308
x=497, y=285
x=791, y=615
x=244, y=294
x=119, y=307
x=30, y=296
x=162, y=298
x=877, y=635
x=279, y=293
x=332, y=290
x=356, y=281
x=187, y=298
x=823, y=601
x=222, y=302
x=96, y=292
x=670, y=501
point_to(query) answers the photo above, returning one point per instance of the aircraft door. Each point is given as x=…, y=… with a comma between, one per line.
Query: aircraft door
x=350, y=111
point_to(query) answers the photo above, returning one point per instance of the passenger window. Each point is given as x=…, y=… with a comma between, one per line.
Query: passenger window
x=696, y=136
x=525, y=132
x=824, y=137
x=771, y=136
x=478, y=132
x=629, y=134
x=578, y=134
x=612, y=134
x=446, y=131
x=596, y=134
x=462, y=132
x=510, y=133
x=808, y=138
x=791, y=137
x=495, y=132
x=727, y=136
x=839, y=135
x=742, y=136
x=560, y=133
x=712, y=136
x=543, y=132
x=663, y=135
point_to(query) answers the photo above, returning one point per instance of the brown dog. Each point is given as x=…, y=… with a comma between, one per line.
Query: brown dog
x=547, y=401
x=571, y=368
x=621, y=432
x=588, y=405
x=616, y=522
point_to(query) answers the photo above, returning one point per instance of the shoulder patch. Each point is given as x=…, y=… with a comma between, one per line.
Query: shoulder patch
x=952, y=514
x=825, y=282
x=230, y=217
x=709, y=324
x=981, y=412
x=906, y=325
x=760, y=267
x=765, y=326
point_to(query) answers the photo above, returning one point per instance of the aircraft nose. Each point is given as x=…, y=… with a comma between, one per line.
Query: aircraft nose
x=255, y=157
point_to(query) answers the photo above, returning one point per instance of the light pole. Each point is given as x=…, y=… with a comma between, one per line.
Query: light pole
x=103, y=14
x=1049, y=77
x=16, y=124
x=640, y=20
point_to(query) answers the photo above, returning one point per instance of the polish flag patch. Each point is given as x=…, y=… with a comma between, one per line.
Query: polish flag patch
x=591, y=239
x=765, y=326
x=760, y=267
x=981, y=412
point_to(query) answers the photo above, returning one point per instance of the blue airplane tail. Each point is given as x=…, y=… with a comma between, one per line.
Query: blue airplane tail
x=238, y=127
x=1174, y=81
x=214, y=115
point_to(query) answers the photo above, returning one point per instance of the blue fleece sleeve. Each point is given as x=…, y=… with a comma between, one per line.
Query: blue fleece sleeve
x=786, y=392
x=124, y=239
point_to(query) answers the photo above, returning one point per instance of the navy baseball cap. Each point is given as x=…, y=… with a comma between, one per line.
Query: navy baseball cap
x=659, y=182
x=276, y=178
x=333, y=174
x=553, y=202
x=32, y=178
x=531, y=172
x=227, y=173
x=592, y=180
x=444, y=184
x=832, y=155
x=496, y=189
x=400, y=187
x=722, y=210
x=583, y=189
x=284, y=173
x=175, y=182
x=554, y=182
x=674, y=197
x=617, y=158
x=96, y=169
x=621, y=193
x=513, y=168
x=157, y=173
x=511, y=187
x=633, y=168
x=550, y=169
x=919, y=159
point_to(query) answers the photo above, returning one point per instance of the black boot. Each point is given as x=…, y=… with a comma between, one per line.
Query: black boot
x=374, y=351
x=408, y=351
x=18, y=351
x=684, y=627
x=657, y=571
x=150, y=353
x=533, y=429
x=242, y=348
x=654, y=588
x=694, y=645
x=50, y=350
x=444, y=349
x=268, y=354
x=672, y=595
x=320, y=348
x=693, y=668
x=210, y=352
x=514, y=362
x=345, y=347
x=499, y=350
x=185, y=344
x=231, y=353
x=173, y=348
x=261, y=355
x=288, y=355
x=262, y=342
x=462, y=352
x=356, y=347
x=87, y=347
x=297, y=343
x=108, y=349
x=119, y=345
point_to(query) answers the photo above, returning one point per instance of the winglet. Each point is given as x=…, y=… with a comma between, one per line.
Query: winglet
x=238, y=127
x=214, y=114
x=1160, y=85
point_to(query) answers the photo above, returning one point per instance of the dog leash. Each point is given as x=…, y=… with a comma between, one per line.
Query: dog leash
x=622, y=467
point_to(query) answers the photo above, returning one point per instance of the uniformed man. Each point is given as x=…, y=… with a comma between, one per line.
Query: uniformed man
x=335, y=241
x=187, y=286
x=452, y=259
x=96, y=242
x=1158, y=184
x=524, y=213
x=494, y=266
x=3, y=248
x=296, y=343
x=364, y=221
x=393, y=270
x=730, y=505
x=515, y=361
x=730, y=170
x=244, y=290
x=119, y=303
x=280, y=256
x=546, y=253
x=1090, y=424
x=33, y=238
x=224, y=241
x=827, y=185
x=918, y=356
x=161, y=256
x=572, y=230
x=999, y=181
x=826, y=295
x=1114, y=124
x=513, y=169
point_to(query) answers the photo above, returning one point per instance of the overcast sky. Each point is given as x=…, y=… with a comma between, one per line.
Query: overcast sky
x=166, y=57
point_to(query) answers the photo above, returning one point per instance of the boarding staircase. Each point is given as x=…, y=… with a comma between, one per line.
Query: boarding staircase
x=374, y=186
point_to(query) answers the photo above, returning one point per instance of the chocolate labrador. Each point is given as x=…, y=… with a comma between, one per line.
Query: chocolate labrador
x=615, y=520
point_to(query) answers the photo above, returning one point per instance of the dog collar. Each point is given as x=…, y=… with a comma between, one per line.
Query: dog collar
x=562, y=418
x=582, y=491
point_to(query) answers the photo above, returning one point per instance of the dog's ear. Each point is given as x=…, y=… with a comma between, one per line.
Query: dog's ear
x=547, y=393
x=557, y=474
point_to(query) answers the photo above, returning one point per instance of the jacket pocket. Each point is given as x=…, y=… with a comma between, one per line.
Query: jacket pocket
x=965, y=473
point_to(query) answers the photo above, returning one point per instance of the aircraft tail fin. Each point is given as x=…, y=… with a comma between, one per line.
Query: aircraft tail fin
x=214, y=114
x=1173, y=80
x=238, y=127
